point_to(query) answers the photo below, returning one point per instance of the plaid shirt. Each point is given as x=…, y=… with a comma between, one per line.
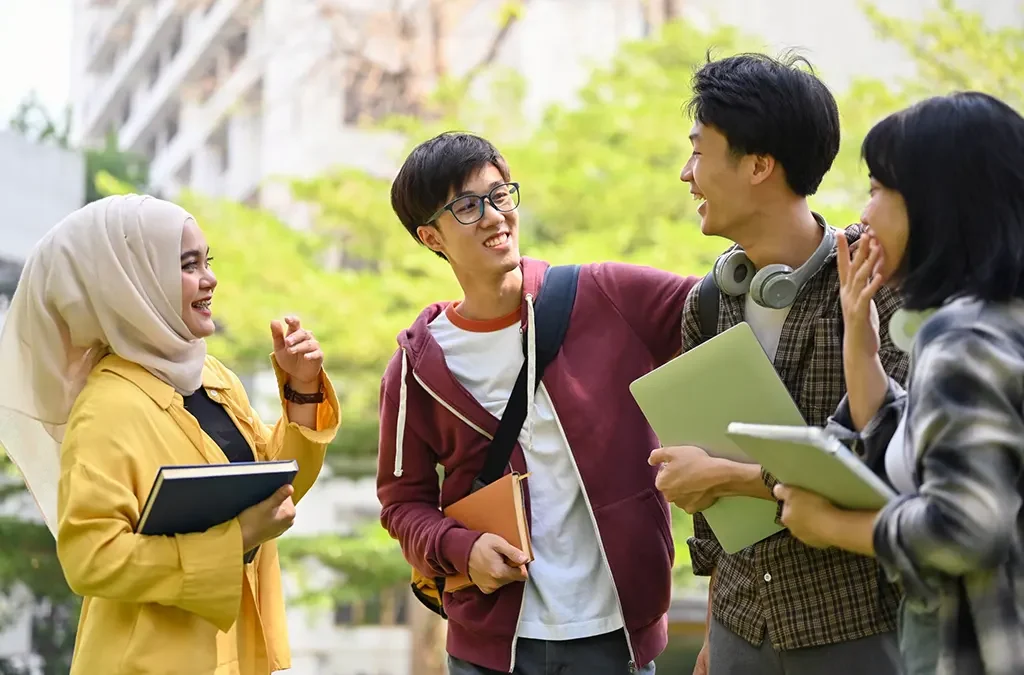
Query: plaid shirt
x=804, y=596
x=956, y=545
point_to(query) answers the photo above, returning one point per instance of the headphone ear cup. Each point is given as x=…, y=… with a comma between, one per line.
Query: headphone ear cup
x=733, y=273
x=773, y=287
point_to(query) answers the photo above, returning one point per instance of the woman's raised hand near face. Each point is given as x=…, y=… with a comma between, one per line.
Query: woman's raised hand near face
x=859, y=279
x=297, y=352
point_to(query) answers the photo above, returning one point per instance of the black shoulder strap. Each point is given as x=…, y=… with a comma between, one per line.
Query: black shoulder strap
x=707, y=307
x=551, y=319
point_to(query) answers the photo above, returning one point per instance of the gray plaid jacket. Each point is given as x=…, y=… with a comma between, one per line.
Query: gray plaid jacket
x=956, y=546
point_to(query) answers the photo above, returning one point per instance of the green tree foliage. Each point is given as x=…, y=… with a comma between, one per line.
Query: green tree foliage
x=600, y=182
x=32, y=120
x=28, y=563
x=952, y=50
x=600, y=179
x=110, y=160
x=366, y=561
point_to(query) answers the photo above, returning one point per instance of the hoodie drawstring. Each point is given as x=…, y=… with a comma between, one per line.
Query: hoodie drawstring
x=531, y=388
x=400, y=425
x=531, y=370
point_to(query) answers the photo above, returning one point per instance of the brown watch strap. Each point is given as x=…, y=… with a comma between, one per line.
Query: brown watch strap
x=295, y=397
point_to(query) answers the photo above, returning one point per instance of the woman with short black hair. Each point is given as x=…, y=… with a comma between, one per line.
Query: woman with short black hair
x=946, y=227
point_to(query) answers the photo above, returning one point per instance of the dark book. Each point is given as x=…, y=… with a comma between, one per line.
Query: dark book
x=194, y=498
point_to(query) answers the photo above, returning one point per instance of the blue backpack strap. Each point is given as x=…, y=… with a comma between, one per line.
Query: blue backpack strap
x=707, y=307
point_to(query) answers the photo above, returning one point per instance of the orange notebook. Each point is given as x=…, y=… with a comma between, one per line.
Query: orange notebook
x=496, y=509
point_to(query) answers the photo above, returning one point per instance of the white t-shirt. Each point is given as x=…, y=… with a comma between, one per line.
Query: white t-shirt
x=569, y=592
x=900, y=464
x=766, y=323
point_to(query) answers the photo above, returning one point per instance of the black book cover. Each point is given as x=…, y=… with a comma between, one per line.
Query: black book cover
x=194, y=498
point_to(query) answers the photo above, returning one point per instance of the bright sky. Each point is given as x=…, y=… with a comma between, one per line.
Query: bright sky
x=35, y=53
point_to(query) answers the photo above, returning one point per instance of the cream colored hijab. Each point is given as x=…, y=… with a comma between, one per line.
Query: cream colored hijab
x=106, y=279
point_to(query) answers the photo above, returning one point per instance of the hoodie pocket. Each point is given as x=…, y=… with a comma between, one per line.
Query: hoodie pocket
x=494, y=614
x=638, y=542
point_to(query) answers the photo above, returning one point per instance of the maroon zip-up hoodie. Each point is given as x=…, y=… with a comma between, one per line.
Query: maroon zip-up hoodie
x=626, y=321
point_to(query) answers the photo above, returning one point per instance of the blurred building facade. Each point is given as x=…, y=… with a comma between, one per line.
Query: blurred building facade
x=222, y=95
x=39, y=185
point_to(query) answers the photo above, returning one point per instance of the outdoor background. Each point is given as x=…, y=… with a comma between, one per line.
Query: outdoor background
x=279, y=124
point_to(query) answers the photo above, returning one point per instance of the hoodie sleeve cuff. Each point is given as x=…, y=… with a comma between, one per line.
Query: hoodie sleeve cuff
x=456, y=546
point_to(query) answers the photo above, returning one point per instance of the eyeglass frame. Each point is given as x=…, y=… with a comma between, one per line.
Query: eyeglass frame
x=483, y=208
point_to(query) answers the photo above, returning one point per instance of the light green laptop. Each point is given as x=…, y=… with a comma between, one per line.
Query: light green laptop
x=692, y=399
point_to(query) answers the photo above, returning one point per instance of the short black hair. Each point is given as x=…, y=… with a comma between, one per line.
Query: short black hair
x=436, y=167
x=958, y=163
x=770, y=106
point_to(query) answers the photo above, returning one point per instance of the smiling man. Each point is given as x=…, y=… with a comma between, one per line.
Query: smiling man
x=595, y=597
x=765, y=133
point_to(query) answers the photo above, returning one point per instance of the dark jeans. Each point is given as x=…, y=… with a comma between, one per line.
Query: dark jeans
x=732, y=655
x=599, y=655
x=919, y=640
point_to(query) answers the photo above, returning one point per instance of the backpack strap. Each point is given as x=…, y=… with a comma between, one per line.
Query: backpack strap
x=554, y=305
x=707, y=307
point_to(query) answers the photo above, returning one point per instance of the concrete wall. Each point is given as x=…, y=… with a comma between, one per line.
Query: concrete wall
x=39, y=185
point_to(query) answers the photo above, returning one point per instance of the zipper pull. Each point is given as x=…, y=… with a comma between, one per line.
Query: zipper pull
x=632, y=667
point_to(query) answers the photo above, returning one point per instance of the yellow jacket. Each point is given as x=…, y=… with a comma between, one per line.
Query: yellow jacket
x=186, y=604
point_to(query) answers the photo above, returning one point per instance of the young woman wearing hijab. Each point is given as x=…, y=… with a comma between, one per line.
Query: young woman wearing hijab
x=105, y=380
x=946, y=216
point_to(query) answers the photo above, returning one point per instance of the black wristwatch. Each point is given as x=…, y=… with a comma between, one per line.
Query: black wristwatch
x=295, y=397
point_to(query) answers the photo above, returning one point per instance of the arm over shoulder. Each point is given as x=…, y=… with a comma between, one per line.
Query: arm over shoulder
x=650, y=300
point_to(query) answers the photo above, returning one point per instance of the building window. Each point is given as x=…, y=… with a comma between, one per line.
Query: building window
x=172, y=126
x=371, y=92
x=207, y=82
x=237, y=49
x=175, y=44
x=344, y=614
x=184, y=175
x=153, y=73
x=389, y=608
x=218, y=146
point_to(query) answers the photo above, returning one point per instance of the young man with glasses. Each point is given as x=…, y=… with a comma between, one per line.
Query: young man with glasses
x=595, y=597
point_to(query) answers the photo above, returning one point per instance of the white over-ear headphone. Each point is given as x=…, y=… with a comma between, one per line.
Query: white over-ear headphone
x=774, y=286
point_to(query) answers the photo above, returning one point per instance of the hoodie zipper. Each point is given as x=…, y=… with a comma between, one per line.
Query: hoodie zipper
x=452, y=410
x=597, y=532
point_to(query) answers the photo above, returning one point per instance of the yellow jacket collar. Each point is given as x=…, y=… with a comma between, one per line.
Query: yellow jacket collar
x=158, y=390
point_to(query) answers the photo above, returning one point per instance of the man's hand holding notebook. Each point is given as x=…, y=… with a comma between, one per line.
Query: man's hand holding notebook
x=494, y=562
x=500, y=555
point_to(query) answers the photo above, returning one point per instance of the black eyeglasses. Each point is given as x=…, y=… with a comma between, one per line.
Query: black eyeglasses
x=470, y=208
